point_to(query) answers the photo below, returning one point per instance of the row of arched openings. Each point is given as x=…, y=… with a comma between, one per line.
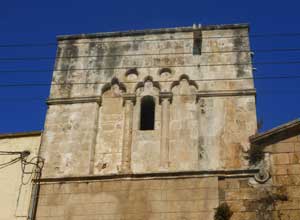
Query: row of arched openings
x=147, y=108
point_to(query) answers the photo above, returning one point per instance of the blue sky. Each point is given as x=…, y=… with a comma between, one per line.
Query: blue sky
x=24, y=109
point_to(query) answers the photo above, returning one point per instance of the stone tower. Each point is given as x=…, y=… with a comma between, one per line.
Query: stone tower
x=144, y=124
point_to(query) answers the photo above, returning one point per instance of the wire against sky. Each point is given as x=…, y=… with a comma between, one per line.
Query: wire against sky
x=158, y=54
x=259, y=35
x=135, y=82
x=153, y=67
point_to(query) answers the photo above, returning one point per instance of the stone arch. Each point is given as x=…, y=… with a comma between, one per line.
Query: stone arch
x=132, y=71
x=114, y=81
x=164, y=70
x=183, y=77
x=147, y=79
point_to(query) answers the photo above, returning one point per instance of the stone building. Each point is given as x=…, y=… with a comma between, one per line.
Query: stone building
x=155, y=125
x=142, y=124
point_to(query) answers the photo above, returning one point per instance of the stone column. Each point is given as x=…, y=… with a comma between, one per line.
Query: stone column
x=129, y=101
x=165, y=100
x=95, y=131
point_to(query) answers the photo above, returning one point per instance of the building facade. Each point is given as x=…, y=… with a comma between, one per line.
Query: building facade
x=152, y=125
x=144, y=124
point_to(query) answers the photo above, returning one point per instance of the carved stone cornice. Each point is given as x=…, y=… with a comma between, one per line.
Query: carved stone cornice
x=222, y=93
x=165, y=95
x=73, y=100
x=240, y=173
x=130, y=97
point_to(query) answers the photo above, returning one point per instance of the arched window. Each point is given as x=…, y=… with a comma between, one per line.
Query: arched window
x=147, y=113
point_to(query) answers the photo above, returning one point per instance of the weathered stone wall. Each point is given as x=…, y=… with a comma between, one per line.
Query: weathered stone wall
x=168, y=199
x=239, y=196
x=279, y=197
x=285, y=171
x=69, y=139
x=93, y=120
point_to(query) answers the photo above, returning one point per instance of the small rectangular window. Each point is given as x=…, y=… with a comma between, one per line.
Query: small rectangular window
x=147, y=113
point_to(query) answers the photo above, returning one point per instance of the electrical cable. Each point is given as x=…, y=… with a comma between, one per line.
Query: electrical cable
x=153, y=67
x=160, y=81
x=259, y=35
x=39, y=58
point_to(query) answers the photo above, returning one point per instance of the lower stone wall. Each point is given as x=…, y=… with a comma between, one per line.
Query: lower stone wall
x=285, y=171
x=239, y=195
x=159, y=199
x=278, y=198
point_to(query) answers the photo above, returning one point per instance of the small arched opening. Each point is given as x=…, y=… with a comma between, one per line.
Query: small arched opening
x=147, y=117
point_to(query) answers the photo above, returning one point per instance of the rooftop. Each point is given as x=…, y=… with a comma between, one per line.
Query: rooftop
x=277, y=134
x=20, y=134
x=151, y=31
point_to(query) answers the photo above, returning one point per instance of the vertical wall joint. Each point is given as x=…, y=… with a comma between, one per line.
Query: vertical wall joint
x=165, y=99
x=128, y=102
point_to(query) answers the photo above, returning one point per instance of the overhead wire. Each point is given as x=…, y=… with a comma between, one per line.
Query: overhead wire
x=153, y=67
x=38, y=58
x=259, y=35
x=161, y=81
x=295, y=34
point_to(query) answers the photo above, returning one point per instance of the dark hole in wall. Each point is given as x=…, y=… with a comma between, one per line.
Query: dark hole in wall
x=147, y=113
x=197, y=44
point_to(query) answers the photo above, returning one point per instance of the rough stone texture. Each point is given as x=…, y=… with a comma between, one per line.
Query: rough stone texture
x=69, y=135
x=250, y=200
x=92, y=131
x=238, y=194
x=88, y=138
x=285, y=170
x=15, y=189
x=169, y=199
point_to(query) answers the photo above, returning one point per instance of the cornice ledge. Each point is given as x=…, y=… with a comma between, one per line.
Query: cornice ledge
x=244, y=92
x=73, y=100
x=161, y=175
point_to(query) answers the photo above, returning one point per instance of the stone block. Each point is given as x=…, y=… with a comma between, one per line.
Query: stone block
x=57, y=210
x=159, y=206
x=294, y=158
x=233, y=184
x=282, y=158
x=46, y=189
x=43, y=211
x=283, y=148
x=294, y=169
x=291, y=139
x=279, y=170
x=293, y=192
x=243, y=216
x=193, y=194
x=297, y=146
x=236, y=206
x=112, y=186
x=287, y=205
x=281, y=180
x=289, y=214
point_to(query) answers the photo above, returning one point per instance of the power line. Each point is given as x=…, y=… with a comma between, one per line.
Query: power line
x=47, y=44
x=38, y=58
x=295, y=91
x=161, y=81
x=151, y=67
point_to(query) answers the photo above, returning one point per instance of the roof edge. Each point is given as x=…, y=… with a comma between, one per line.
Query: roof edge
x=150, y=31
x=21, y=134
x=278, y=133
